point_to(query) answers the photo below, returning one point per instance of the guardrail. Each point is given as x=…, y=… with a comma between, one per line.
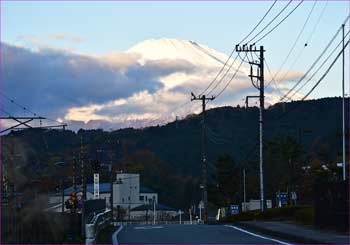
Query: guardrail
x=98, y=222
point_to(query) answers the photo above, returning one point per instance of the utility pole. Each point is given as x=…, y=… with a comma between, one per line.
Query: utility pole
x=259, y=84
x=204, y=100
x=343, y=94
x=74, y=174
x=62, y=196
x=83, y=181
x=244, y=193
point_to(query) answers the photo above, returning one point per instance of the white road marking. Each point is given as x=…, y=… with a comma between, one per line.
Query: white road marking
x=148, y=227
x=115, y=234
x=256, y=235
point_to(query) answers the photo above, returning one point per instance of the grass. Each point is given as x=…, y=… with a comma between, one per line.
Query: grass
x=300, y=214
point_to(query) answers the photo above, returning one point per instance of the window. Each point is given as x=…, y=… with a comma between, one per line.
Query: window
x=146, y=198
x=142, y=198
x=129, y=198
x=122, y=200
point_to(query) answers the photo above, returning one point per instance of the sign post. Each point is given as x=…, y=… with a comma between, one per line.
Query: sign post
x=200, y=206
x=96, y=186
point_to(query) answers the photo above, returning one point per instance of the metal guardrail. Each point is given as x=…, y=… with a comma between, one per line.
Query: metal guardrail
x=98, y=222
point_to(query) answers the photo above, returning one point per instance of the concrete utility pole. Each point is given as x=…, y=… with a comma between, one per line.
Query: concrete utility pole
x=204, y=100
x=259, y=84
x=154, y=211
x=74, y=174
x=244, y=193
x=343, y=94
x=83, y=180
x=62, y=196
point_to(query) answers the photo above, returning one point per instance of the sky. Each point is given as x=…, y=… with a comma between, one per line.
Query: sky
x=70, y=60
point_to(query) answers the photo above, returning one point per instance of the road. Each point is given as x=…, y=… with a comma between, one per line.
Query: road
x=190, y=234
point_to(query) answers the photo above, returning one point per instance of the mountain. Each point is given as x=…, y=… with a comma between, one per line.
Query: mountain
x=174, y=49
x=168, y=157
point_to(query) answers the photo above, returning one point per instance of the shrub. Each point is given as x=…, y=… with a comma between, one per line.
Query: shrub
x=304, y=216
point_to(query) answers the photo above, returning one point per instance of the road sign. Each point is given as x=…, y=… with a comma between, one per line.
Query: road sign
x=234, y=209
x=282, y=198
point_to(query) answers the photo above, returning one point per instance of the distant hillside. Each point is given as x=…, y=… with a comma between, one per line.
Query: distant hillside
x=173, y=150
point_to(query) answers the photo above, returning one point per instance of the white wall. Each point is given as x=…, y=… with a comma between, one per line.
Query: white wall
x=255, y=205
x=126, y=191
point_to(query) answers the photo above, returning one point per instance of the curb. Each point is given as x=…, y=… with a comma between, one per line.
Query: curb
x=283, y=235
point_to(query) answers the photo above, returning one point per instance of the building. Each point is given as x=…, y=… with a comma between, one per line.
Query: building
x=127, y=194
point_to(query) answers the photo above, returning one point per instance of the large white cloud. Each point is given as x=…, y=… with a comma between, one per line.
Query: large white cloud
x=142, y=86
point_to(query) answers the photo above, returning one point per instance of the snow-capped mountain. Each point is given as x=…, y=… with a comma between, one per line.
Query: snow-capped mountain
x=170, y=48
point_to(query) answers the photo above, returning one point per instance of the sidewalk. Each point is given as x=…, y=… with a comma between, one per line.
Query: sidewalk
x=295, y=233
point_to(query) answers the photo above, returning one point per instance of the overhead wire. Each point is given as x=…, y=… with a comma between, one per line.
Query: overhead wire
x=304, y=46
x=233, y=50
x=26, y=108
x=279, y=23
x=229, y=81
x=296, y=40
x=327, y=71
x=314, y=63
x=318, y=69
x=274, y=18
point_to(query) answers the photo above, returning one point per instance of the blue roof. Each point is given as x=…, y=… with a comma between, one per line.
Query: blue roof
x=159, y=206
x=104, y=188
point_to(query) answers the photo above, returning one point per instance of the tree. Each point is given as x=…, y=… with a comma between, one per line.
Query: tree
x=227, y=187
x=284, y=159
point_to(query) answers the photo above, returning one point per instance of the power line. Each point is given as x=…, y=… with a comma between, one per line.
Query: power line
x=25, y=108
x=261, y=20
x=313, y=65
x=274, y=18
x=222, y=78
x=228, y=83
x=312, y=76
x=296, y=40
x=314, y=87
x=233, y=50
x=279, y=22
x=304, y=46
x=317, y=22
x=325, y=74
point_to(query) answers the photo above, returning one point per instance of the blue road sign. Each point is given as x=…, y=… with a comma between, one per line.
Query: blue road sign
x=234, y=209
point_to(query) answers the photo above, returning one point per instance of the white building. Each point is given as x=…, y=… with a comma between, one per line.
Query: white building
x=127, y=193
x=255, y=205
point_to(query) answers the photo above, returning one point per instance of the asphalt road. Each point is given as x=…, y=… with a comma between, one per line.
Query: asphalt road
x=190, y=234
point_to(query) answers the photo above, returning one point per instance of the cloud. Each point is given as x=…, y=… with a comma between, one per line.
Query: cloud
x=117, y=89
x=55, y=81
x=66, y=37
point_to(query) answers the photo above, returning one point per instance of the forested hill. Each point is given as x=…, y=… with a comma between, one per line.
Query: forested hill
x=174, y=149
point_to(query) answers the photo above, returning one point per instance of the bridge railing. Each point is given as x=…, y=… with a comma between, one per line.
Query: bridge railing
x=98, y=222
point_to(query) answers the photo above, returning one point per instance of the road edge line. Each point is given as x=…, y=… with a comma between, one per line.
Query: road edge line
x=115, y=234
x=257, y=235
